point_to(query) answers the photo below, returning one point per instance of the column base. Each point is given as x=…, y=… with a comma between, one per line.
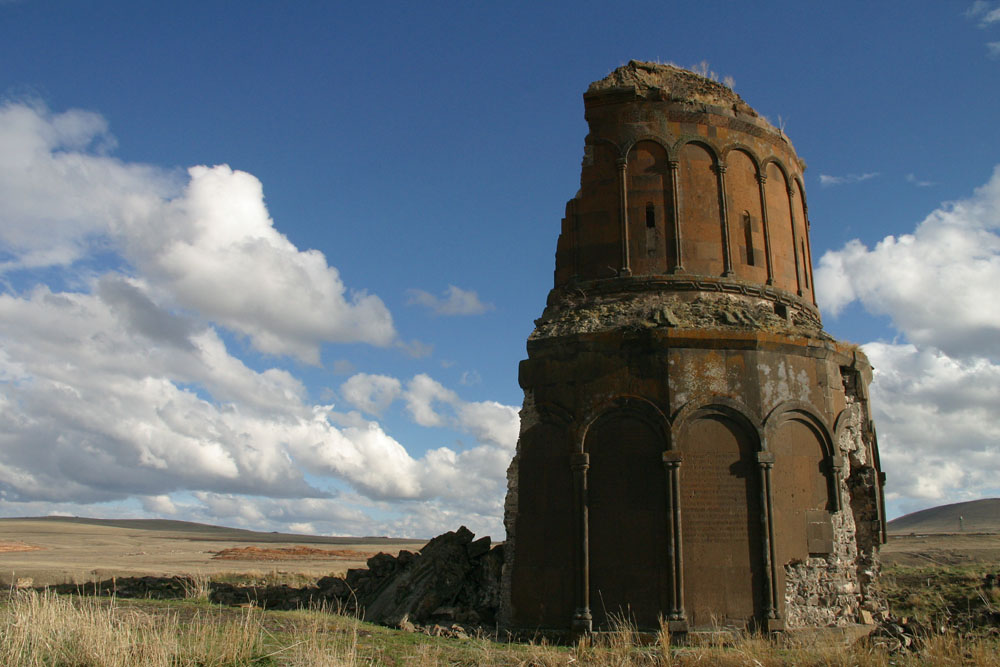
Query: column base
x=774, y=625
x=583, y=622
x=677, y=627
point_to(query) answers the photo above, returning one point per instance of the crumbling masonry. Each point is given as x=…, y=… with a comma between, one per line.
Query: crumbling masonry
x=694, y=447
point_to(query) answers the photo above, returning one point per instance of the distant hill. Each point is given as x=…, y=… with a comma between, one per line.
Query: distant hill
x=975, y=516
x=204, y=531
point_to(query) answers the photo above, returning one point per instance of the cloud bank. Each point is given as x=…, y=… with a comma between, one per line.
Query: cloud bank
x=936, y=395
x=117, y=384
x=203, y=241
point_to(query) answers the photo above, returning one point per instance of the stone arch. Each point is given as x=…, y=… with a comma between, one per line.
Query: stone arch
x=650, y=199
x=743, y=148
x=777, y=162
x=627, y=512
x=543, y=588
x=746, y=221
x=802, y=227
x=704, y=242
x=782, y=235
x=721, y=405
x=803, y=413
x=805, y=487
x=652, y=138
x=686, y=139
x=641, y=407
x=798, y=180
x=726, y=577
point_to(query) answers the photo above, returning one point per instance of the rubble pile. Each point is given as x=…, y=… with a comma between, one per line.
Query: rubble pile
x=447, y=588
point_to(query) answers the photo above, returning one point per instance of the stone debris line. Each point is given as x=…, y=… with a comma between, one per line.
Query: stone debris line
x=576, y=312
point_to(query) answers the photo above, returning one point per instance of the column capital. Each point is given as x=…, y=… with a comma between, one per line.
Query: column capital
x=673, y=165
x=765, y=459
x=761, y=178
x=719, y=168
x=579, y=461
x=791, y=191
x=672, y=457
x=621, y=163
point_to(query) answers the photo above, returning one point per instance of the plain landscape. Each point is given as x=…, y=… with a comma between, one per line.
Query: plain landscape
x=944, y=610
x=56, y=550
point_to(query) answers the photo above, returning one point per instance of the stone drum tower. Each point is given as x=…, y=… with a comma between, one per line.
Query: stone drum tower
x=694, y=448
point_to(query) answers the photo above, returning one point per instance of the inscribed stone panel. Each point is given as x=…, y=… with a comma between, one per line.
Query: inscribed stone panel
x=720, y=515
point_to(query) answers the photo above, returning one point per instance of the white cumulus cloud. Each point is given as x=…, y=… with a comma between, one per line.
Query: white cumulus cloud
x=936, y=416
x=116, y=381
x=371, y=393
x=205, y=239
x=935, y=396
x=938, y=284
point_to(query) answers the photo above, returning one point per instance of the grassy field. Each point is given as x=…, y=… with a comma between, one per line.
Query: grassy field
x=934, y=585
x=43, y=629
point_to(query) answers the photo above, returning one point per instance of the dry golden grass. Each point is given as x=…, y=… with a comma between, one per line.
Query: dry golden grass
x=43, y=629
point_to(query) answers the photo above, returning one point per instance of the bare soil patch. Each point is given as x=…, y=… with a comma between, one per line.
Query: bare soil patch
x=10, y=547
x=290, y=553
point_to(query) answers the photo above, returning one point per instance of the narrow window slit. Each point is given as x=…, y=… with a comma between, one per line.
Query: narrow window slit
x=805, y=265
x=748, y=236
x=650, y=215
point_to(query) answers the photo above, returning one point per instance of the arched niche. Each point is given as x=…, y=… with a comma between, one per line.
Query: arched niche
x=721, y=514
x=627, y=505
x=542, y=584
x=745, y=224
x=779, y=223
x=700, y=222
x=802, y=232
x=803, y=486
x=650, y=208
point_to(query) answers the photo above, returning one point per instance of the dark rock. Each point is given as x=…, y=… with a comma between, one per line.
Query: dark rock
x=381, y=565
x=478, y=548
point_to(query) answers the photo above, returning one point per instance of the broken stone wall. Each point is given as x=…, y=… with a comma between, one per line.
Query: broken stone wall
x=837, y=589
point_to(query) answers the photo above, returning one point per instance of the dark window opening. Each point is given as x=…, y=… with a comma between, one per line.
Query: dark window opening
x=805, y=264
x=748, y=235
x=650, y=215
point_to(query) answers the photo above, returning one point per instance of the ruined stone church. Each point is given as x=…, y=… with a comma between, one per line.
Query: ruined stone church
x=694, y=448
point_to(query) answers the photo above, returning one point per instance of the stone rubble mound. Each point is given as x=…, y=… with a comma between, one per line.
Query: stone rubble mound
x=453, y=579
x=447, y=588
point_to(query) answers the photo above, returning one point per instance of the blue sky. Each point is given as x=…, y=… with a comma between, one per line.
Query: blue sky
x=274, y=264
